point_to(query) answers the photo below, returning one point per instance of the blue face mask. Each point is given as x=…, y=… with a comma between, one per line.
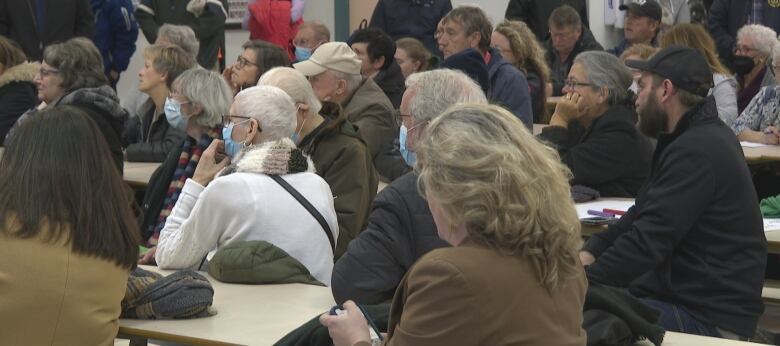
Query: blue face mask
x=231, y=148
x=173, y=114
x=409, y=156
x=302, y=54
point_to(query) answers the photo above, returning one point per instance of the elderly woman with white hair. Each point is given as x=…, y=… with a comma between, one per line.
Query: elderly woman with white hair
x=339, y=153
x=760, y=121
x=197, y=101
x=253, y=195
x=611, y=156
x=751, y=56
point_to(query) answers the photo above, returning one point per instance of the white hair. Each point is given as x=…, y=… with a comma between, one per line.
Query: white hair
x=182, y=36
x=294, y=84
x=353, y=80
x=271, y=107
x=764, y=38
x=604, y=70
x=435, y=91
x=776, y=52
x=207, y=89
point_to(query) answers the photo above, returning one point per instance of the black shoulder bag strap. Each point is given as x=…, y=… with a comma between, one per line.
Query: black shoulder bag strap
x=313, y=211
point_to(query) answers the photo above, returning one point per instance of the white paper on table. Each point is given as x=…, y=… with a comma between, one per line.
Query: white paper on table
x=600, y=204
x=771, y=225
x=746, y=144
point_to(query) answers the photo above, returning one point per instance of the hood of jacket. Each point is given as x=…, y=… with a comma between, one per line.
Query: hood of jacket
x=24, y=72
x=258, y=262
x=472, y=63
x=272, y=158
x=102, y=98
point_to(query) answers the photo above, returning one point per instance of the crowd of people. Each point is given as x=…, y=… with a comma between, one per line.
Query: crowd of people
x=289, y=143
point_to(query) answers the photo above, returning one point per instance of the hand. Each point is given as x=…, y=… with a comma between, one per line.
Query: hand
x=228, y=75
x=348, y=329
x=771, y=136
x=587, y=258
x=208, y=167
x=570, y=107
x=148, y=257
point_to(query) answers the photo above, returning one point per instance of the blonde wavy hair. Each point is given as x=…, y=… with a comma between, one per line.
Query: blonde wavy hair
x=528, y=52
x=509, y=190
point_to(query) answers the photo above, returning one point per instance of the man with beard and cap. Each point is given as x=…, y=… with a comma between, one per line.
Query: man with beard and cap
x=693, y=245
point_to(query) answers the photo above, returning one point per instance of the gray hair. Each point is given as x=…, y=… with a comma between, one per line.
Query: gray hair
x=763, y=37
x=207, y=89
x=604, y=70
x=353, y=80
x=270, y=106
x=182, y=36
x=435, y=91
x=79, y=63
x=776, y=52
x=321, y=32
x=473, y=19
x=295, y=85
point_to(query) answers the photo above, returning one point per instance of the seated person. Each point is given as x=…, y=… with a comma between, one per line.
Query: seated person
x=69, y=239
x=611, y=157
x=512, y=276
x=760, y=120
x=467, y=27
x=751, y=60
x=568, y=38
x=411, y=56
x=518, y=46
x=257, y=58
x=198, y=98
x=339, y=153
x=725, y=89
x=334, y=73
x=693, y=245
x=71, y=74
x=243, y=202
x=17, y=90
x=639, y=51
x=641, y=25
x=400, y=228
x=376, y=51
x=149, y=137
x=311, y=34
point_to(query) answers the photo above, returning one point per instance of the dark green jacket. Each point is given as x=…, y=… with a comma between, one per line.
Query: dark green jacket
x=209, y=24
x=343, y=160
x=258, y=262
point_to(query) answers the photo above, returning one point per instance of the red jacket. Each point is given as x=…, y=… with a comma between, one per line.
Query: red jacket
x=270, y=20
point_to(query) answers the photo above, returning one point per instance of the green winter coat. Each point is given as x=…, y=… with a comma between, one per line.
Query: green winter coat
x=258, y=262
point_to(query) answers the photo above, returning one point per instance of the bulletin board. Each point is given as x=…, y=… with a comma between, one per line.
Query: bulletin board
x=236, y=8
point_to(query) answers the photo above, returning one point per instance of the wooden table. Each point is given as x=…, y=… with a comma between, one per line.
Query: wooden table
x=246, y=315
x=769, y=153
x=137, y=174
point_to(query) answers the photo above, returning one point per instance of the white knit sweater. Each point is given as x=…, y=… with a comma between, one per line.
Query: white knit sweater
x=250, y=206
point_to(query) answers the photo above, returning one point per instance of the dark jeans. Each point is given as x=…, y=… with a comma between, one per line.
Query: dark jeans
x=676, y=318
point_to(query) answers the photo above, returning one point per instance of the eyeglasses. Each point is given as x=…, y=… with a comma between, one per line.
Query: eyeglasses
x=572, y=83
x=45, y=72
x=234, y=119
x=744, y=49
x=242, y=62
x=407, y=118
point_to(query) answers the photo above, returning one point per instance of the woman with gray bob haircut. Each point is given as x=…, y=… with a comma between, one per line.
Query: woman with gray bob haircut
x=608, y=154
x=339, y=153
x=206, y=94
x=244, y=202
x=71, y=74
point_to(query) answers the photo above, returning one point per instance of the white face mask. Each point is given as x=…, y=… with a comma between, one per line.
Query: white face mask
x=634, y=87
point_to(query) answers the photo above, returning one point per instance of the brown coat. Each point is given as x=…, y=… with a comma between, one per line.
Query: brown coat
x=472, y=295
x=51, y=296
x=373, y=114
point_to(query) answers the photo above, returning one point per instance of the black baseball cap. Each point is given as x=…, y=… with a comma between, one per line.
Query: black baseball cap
x=647, y=8
x=686, y=67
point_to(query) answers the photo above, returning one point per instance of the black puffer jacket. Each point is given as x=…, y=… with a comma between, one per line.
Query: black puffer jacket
x=391, y=80
x=149, y=138
x=400, y=230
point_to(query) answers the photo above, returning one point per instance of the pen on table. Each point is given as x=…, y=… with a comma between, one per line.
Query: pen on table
x=599, y=213
x=614, y=211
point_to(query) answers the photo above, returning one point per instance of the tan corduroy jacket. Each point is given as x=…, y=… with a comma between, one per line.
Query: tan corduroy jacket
x=472, y=295
x=51, y=296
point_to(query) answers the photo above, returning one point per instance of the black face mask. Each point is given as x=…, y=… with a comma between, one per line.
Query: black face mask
x=743, y=64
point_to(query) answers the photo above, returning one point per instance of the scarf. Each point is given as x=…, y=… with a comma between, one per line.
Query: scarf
x=271, y=158
x=188, y=161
